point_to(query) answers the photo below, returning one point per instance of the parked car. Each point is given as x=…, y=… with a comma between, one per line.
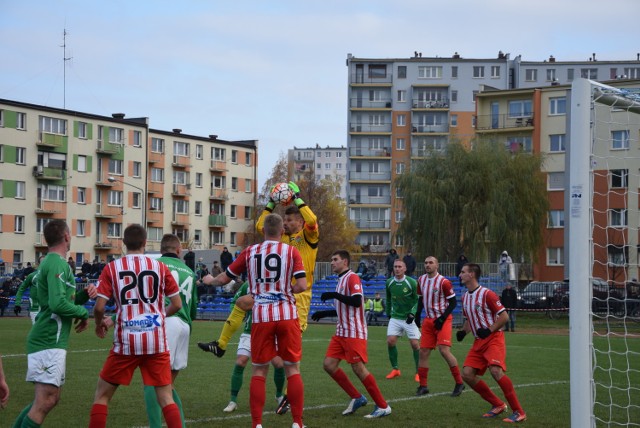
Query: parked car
x=538, y=295
x=604, y=296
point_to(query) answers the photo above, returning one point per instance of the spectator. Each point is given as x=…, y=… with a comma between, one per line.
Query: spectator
x=388, y=261
x=4, y=300
x=372, y=269
x=190, y=259
x=95, y=269
x=72, y=264
x=216, y=270
x=226, y=258
x=376, y=309
x=29, y=269
x=85, y=268
x=504, y=266
x=509, y=300
x=410, y=262
x=462, y=260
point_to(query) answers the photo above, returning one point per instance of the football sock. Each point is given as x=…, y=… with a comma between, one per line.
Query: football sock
x=278, y=380
x=341, y=379
x=154, y=411
x=455, y=372
x=236, y=381
x=21, y=416
x=98, y=417
x=416, y=357
x=485, y=392
x=296, y=397
x=510, y=394
x=28, y=423
x=423, y=372
x=178, y=401
x=172, y=415
x=369, y=382
x=256, y=398
x=234, y=320
x=393, y=356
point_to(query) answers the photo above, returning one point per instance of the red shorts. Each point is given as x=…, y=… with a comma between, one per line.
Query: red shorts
x=349, y=349
x=155, y=368
x=431, y=337
x=491, y=351
x=264, y=336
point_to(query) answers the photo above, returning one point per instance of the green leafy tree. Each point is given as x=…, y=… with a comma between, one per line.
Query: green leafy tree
x=477, y=202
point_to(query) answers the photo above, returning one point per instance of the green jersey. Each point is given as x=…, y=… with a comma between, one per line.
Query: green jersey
x=402, y=297
x=186, y=280
x=242, y=291
x=27, y=284
x=59, y=305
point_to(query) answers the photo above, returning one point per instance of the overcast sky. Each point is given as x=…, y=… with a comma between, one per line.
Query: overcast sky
x=271, y=70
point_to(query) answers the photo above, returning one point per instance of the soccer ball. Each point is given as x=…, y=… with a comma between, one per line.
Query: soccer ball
x=281, y=194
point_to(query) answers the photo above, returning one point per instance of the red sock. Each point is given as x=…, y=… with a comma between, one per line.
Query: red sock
x=171, y=414
x=256, y=398
x=423, y=372
x=295, y=393
x=483, y=389
x=98, y=416
x=341, y=379
x=369, y=382
x=510, y=394
x=455, y=372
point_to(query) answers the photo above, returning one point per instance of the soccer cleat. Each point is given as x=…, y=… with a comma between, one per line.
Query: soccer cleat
x=378, y=412
x=422, y=390
x=457, y=390
x=495, y=411
x=355, y=404
x=231, y=407
x=212, y=347
x=283, y=405
x=393, y=373
x=515, y=418
x=417, y=378
x=297, y=425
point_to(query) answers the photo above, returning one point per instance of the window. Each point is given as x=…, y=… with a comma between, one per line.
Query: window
x=495, y=71
x=180, y=206
x=21, y=154
x=155, y=234
x=247, y=185
x=454, y=72
x=570, y=74
x=618, y=255
x=116, y=135
x=218, y=154
x=516, y=144
x=377, y=71
x=327, y=166
x=21, y=121
x=619, y=178
x=182, y=234
x=556, y=219
x=19, y=224
x=402, y=96
x=400, y=144
x=114, y=230
x=180, y=177
x=155, y=204
x=618, y=217
x=555, y=256
x=157, y=145
x=247, y=213
x=232, y=211
x=338, y=154
x=557, y=105
x=400, y=168
x=589, y=73
x=319, y=154
x=181, y=149
x=52, y=192
x=454, y=96
x=197, y=236
x=402, y=120
x=399, y=239
x=136, y=199
x=217, y=208
x=198, y=179
x=399, y=216
x=137, y=139
x=555, y=181
x=157, y=175
x=234, y=183
x=619, y=140
x=632, y=73
x=247, y=159
x=338, y=165
x=82, y=195
x=234, y=156
x=474, y=95
x=82, y=163
x=454, y=120
x=198, y=208
x=478, y=71
x=327, y=154
x=557, y=142
x=137, y=169
x=21, y=189
x=216, y=237
x=115, y=198
x=80, y=227
x=1, y=149
x=232, y=238
x=83, y=130
x=402, y=72
x=199, y=151
x=219, y=182
x=531, y=75
x=376, y=119
x=551, y=74
x=115, y=166
x=430, y=72
x=520, y=108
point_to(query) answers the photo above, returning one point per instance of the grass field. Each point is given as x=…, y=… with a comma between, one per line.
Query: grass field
x=538, y=366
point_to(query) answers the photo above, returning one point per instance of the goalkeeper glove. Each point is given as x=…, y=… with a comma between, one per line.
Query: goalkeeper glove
x=328, y=295
x=296, y=194
x=271, y=204
x=460, y=334
x=483, y=333
x=317, y=316
x=410, y=318
x=439, y=322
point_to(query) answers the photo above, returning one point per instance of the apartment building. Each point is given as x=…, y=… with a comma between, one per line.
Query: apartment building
x=401, y=109
x=321, y=162
x=102, y=173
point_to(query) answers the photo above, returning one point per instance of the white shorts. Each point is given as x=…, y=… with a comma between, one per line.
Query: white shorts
x=244, y=345
x=178, y=338
x=48, y=366
x=398, y=327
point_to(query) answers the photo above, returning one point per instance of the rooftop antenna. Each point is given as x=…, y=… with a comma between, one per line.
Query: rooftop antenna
x=64, y=62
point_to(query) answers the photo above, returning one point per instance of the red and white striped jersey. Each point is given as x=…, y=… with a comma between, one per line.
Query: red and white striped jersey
x=138, y=284
x=481, y=308
x=351, y=320
x=270, y=266
x=435, y=292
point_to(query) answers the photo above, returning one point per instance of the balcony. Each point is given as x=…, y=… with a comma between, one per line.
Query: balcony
x=106, y=243
x=181, y=161
x=218, y=194
x=107, y=212
x=372, y=224
x=181, y=190
x=180, y=219
x=419, y=128
x=218, y=166
x=44, y=206
x=419, y=104
x=50, y=140
x=217, y=220
x=102, y=180
x=370, y=176
x=108, y=147
x=371, y=200
x=40, y=241
x=155, y=157
x=366, y=104
x=496, y=122
x=370, y=152
x=369, y=80
x=154, y=216
x=155, y=187
x=384, y=128
x=46, y=173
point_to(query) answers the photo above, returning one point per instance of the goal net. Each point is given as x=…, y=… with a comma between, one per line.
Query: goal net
x=603, y=253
